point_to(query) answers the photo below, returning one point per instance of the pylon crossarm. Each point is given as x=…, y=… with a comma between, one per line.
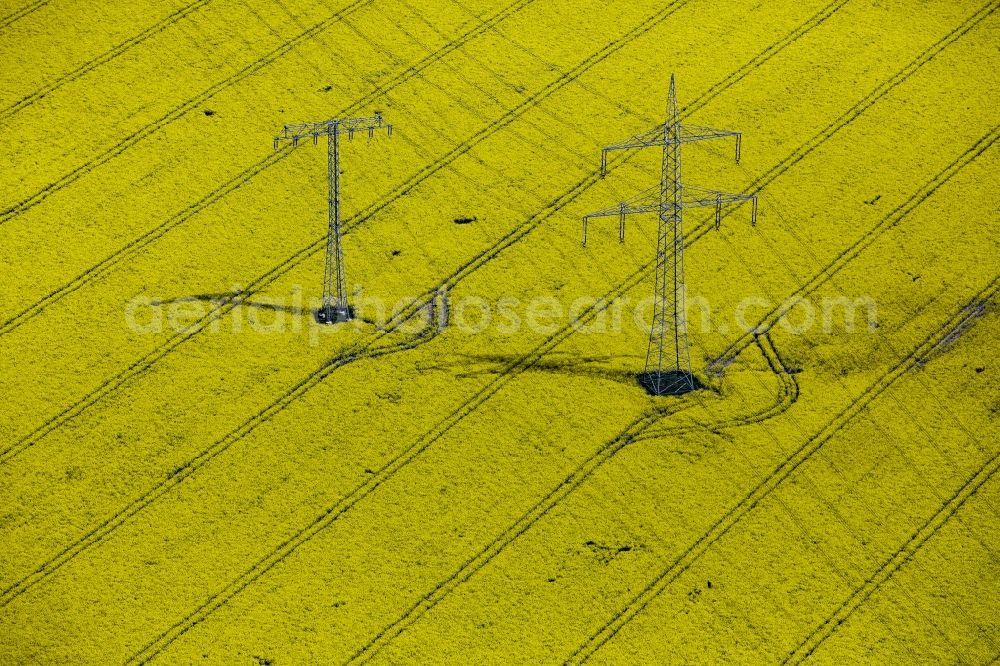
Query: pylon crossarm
x=639, y=201
x=626, y=209
x=688, y=134
x=653, y=137
x=349, y=126
x=656, y=138
x=621, y=211
x=692, y=133
x=649, y=202
x=697, y=197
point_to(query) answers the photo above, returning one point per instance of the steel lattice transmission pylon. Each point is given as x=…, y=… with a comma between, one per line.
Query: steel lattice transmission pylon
x=668, y=358
x=335, y=307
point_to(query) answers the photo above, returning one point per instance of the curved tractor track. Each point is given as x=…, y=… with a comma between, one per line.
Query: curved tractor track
x=782, y=472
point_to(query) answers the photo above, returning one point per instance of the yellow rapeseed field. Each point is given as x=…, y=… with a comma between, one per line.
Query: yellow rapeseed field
x=193, y=470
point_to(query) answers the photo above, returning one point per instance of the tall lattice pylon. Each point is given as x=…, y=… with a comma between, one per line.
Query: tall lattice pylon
x=668, y=357
x=335, y=307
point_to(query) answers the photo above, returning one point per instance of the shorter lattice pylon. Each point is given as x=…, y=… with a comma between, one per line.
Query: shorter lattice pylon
x=335, y=307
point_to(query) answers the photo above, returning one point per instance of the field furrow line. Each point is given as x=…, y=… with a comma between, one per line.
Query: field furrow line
x=102, y=59
x=19, y=14
x=878, y=93
x=814, y=21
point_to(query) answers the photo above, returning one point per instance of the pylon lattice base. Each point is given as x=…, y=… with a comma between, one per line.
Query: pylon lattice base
x=334, y=315
x=670, y=382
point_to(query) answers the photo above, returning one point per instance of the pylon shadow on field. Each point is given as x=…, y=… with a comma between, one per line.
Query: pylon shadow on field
x=228, y=297
x=586, y=366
